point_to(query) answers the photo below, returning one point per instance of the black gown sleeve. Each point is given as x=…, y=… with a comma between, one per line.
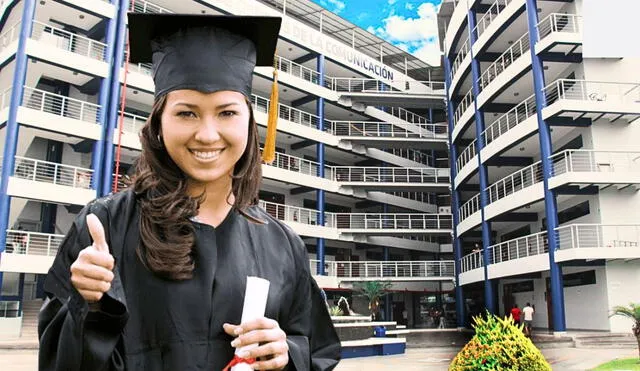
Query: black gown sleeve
x=312, y=339
x=73, y=338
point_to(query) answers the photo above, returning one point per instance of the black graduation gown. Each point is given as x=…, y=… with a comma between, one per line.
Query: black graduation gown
x=148, y=323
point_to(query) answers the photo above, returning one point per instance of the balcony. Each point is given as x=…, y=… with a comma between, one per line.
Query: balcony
x=603, y=168
x=463, y=114
x=560, y=33
x=598, y=241
x=387, y=135
x=49, y=181
x=470, y=215
x=460, y=66
x=470, y=268
x=29, y=252
x=513, y=126
x=141, y=6
x=68, y=41
x=371, y=223
x=9, y=41
x=392, y=178
x=498, y=14
x=518, y=189
x=595, y=100
x=387, y=270
x=466, y=157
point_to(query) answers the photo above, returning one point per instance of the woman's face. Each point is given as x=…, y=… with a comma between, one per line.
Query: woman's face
x=205, y=134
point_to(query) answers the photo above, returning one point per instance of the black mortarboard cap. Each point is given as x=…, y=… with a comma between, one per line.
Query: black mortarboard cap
x=207, y=53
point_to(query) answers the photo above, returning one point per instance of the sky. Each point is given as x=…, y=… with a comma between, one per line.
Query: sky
x=409, y=24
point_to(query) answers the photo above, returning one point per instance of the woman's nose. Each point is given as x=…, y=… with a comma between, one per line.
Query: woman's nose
x=208, y=131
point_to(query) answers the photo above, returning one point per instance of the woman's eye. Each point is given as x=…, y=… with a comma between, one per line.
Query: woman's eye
x=228, y=113
x=186, y=114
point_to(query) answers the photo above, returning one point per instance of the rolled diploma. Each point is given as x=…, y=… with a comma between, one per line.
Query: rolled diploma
x=255, y=303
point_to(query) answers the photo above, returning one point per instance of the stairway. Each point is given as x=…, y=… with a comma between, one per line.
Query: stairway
x=606, y=340
x=30, y=310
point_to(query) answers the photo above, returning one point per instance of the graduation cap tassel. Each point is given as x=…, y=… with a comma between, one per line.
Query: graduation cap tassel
x=269, y=151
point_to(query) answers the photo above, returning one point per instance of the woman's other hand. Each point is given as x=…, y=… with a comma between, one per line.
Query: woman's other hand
x=92, y=272
x=272, y=352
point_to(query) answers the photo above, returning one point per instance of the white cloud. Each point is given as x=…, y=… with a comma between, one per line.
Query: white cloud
x=408, y=6
x=391, y=2
x=337, y=5
x=419, y=35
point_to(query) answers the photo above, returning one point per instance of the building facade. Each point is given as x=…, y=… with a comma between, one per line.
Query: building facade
x=361, y=170
x=544, y=162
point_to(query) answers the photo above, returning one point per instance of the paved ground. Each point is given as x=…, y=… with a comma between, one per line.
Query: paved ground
x=565, y=359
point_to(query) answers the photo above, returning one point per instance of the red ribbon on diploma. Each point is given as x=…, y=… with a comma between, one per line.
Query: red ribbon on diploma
x=237, y=360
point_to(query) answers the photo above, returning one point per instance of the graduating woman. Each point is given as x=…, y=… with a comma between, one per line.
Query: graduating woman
x=153, y=278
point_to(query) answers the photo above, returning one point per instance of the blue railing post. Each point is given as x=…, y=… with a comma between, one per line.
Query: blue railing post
x=489, y=298
x=455, y=200
x=106, y=177
x=99, y=145
x=550, y=202
x=12, y=128
x=320, y=155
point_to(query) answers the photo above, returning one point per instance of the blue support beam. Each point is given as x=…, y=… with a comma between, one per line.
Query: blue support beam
x=12, y=127
x=97, y=154
x=455, y=202
x=320, y=251
x=106, y=177
x=550, y=202
x=489, y=297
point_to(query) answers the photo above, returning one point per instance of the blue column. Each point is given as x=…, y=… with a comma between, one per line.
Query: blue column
x=106, y=177
x=20, y=293
x=388, y=299
x=455, y=200
x=99, y=146
x=489, y=298
x=12, y=128
x=550, y=202
x=320, y=156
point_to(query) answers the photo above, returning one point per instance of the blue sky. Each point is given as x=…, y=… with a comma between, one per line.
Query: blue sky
x=409, y=24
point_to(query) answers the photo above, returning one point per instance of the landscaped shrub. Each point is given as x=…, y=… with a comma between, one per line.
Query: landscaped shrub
x=499, y=345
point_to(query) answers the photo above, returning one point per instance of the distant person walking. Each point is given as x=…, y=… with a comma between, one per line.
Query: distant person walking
x=515, y=313
x=528, y=319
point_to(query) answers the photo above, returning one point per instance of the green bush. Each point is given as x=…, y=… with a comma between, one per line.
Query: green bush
x=499, y=345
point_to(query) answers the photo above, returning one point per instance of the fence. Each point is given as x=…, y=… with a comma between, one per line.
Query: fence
x=515, y=182
x=60, y=105
x=32, y=243
x=582, y=160
x=509, y=120
x=51, y=172
x=389, y=175
x=517, y=248
x=68, y=41
x=557, y=22
x=589, y=236
x=386, y=269
x=393, y=221
x=593, y=91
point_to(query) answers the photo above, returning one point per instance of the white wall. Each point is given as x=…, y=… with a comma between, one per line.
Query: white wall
x=623, y=287
x=619, y=207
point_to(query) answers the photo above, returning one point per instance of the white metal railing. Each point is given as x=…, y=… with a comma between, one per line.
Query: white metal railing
x=584, y=160
x=300, y=71
x=68, y=41
x=468, y=208
x=295, y=115
x=385, y=129
x=367, y=85
x=411, y=154
x=466, y=155
x=591, y=236
x=509, y=120
x=494, y=10
x=141, y=6
x=506, y=59
x=557, y=22
x=465, y=103
x=32, y=243
x=51, y=172
x=300, y=165
x=515, y=182
x=407, y=116
x=60, y=105
x=464, y=51
x=393, y=221
x=593, y=91
x=143, y=68
x=386, y=269
x=9, y=309
x=531, y=245
x=132, y=123
x=296, y=214
x=10, y=35
x=389, y=174
x=5, y=98
x=471, y=261
x=416, y=196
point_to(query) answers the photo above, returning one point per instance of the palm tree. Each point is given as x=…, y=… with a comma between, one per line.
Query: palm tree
x=373, y=291
x=632, y=312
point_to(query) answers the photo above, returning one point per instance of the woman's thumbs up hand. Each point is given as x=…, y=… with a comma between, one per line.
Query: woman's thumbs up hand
x=92, y=272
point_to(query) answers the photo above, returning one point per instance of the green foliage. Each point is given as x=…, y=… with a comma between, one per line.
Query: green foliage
x=632, y=312
x=499, y=345
x=335, y=311
x=373, y=291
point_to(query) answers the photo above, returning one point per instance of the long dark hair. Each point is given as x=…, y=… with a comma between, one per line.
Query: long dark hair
x=167, y=236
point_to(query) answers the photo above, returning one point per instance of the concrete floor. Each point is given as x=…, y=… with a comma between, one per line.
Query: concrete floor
x=435, y=359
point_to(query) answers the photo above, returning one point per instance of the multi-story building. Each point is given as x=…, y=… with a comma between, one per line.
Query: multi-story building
x=544, y=162
x=361, y=171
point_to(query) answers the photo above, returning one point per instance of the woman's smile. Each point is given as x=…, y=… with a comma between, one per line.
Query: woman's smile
x=206, y=156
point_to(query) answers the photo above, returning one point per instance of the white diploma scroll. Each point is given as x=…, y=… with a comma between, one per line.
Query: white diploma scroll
x=255, y=303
